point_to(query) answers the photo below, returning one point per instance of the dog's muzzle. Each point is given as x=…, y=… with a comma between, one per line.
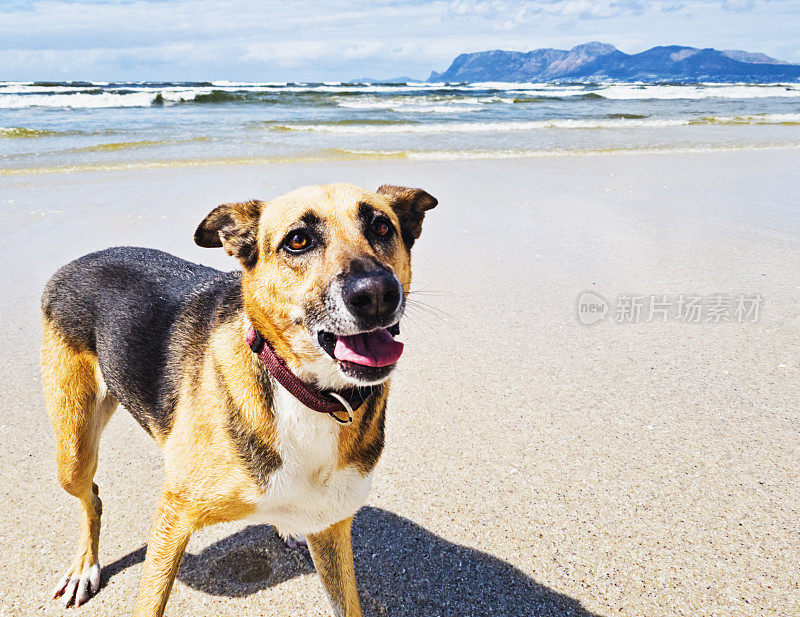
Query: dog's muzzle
x=369, y=303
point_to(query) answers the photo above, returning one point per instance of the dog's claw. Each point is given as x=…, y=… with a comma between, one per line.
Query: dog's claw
x=69, y=592
x=78, y=589
x=82, y=594
x=62, y=585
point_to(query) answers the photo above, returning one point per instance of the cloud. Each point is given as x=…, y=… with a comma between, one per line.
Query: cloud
x=738, y=5
x=521, y=11
x=339, y=39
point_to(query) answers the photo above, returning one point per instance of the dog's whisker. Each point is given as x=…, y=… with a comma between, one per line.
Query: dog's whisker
x=418, y=321
x=438, y=294
x=430, y=310
x=425, y=308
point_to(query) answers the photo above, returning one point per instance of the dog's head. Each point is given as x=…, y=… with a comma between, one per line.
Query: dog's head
x=326, y=273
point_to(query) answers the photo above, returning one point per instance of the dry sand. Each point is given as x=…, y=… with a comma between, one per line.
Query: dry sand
x=534, y=466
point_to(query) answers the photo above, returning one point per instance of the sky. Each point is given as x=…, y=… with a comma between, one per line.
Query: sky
x=331, y=40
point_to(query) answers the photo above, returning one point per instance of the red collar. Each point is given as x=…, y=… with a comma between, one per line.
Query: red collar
x=324, y=402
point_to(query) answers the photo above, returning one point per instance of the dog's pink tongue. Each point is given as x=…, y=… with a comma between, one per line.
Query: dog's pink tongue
x=376, y=348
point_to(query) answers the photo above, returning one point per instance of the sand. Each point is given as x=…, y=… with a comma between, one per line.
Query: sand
x=534, y=466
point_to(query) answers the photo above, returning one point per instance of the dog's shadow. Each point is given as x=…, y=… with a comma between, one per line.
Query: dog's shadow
x=402, y=569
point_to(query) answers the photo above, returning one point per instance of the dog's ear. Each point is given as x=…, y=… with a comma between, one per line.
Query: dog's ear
x=410, y=206
x=233, y=227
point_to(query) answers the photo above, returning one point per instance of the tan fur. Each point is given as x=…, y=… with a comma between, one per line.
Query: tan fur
x=200, y=459
x=363, y=434
x=79, y=408
x=207, y=480
x=332, y=551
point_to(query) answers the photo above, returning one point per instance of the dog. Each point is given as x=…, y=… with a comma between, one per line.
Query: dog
x=265, y=387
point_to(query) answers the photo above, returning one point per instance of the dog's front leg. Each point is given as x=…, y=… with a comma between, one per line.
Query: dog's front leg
x=332, y=551
x=171, y=532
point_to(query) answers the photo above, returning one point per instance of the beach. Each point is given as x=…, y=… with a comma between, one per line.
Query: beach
x=643, y=465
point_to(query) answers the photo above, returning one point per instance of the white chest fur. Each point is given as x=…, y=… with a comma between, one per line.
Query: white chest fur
x=308, y=492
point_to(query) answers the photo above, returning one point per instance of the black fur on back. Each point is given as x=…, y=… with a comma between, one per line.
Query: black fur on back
x=147, y=316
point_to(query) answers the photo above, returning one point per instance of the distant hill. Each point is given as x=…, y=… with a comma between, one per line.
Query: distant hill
x=600, y=62
x=754, y=58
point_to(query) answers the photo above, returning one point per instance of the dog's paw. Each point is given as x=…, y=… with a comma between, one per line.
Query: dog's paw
x=294, y=542
x=78, y=586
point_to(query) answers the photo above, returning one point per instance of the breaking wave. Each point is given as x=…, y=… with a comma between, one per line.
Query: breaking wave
x=412, y=98
x=612, y=121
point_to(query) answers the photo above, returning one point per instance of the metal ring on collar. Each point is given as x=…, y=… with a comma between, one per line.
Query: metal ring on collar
x=347, y=408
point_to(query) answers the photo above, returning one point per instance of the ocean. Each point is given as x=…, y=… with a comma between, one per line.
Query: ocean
x=72, y=126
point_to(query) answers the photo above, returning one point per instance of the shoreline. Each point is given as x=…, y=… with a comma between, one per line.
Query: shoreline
x=344, y=155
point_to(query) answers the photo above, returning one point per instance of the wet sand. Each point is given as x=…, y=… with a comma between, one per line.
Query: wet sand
x=534, y=465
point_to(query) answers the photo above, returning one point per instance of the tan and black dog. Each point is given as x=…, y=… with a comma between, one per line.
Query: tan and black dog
x=264, y=435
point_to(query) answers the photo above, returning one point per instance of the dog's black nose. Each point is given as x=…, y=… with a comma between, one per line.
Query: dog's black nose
x=372, y=297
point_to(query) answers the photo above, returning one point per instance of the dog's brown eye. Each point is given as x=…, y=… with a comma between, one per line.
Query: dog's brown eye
x=381, y=227
x=298, y=242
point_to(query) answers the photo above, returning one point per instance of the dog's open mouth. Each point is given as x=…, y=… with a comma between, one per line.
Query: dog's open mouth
x=367, y=355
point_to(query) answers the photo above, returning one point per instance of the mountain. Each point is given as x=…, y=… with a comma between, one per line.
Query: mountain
x=755, y=58
x=539, y=64
x=602, y=62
